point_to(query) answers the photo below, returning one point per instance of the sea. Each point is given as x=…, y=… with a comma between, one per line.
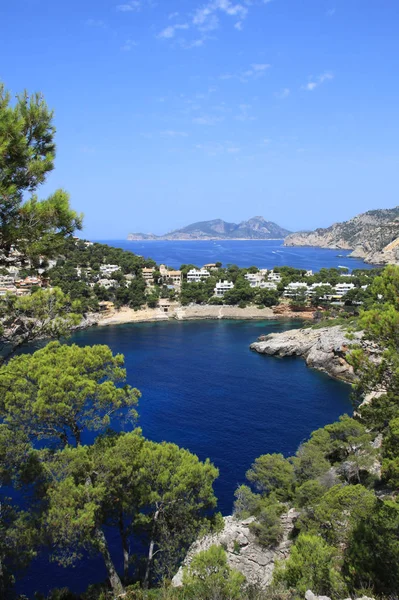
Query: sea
x=264, y=254
x=203, y=389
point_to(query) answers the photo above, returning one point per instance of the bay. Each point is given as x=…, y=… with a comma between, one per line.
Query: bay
x=204, y=390
x=264, y=254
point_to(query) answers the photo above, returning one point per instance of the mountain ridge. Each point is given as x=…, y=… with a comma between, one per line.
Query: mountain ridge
x=373, y=236
x=256, y=228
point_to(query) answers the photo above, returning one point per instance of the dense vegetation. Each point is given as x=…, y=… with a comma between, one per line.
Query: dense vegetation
x=79, y=264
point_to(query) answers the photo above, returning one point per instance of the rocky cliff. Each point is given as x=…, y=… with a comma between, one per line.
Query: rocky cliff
x=324, y=349
x=243, y=551
x=373, y=236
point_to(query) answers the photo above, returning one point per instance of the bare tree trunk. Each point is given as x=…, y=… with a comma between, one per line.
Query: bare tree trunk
x=125, y=547
x=150, y=552
x=113, y=576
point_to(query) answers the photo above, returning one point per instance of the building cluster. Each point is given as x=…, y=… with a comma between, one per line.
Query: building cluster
x=335, y=292
x=169, y=277
x=9, y=284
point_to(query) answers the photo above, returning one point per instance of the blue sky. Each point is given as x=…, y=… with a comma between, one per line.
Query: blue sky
x=183, y=110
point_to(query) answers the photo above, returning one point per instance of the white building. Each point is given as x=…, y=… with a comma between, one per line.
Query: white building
x=296, y=287
x=268, y=285
x=222, y=287
x=255, y=279
x=272, y=276
x=196, y=275
x=109, y=269
x=7, y=281
x=107, y=283
x=7, y=290
x=314, y=286
x=342, y=288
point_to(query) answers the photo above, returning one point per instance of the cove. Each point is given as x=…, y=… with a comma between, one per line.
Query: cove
x=204, y=390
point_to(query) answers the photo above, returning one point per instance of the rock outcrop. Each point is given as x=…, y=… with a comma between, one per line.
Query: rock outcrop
x=324, y=349
x=244, y=553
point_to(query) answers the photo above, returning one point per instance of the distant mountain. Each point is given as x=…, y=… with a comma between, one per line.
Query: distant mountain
x=373, y=236
x=256, y=228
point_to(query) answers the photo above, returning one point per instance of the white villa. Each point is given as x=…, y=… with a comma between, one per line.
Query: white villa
x=295, y=288
x=196, y=275
x=342, y=288
x=254, y=279
x=109, y=269
x=222, y=287
x=107, y=283
x=272, y=276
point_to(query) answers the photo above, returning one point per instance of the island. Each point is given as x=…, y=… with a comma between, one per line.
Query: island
x=256, y=228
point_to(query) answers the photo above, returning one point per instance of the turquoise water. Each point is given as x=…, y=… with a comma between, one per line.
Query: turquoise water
x=206, y=391
x=244, y=253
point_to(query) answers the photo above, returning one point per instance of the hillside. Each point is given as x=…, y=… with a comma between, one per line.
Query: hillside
x=373, y=236
x=256, y=228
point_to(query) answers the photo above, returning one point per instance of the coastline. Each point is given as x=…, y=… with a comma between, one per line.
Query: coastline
x=210, y=239
x=193, y=312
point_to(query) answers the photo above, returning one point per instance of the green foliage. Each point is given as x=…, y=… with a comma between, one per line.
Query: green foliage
x=46, y=313
x=267, y=527
x=309, y=493
x=246, y=503
x=312, y=564
x=59, y=391
x=27, y=152
x=338, y=512
x=272, y=473
x=310, y=462
x=209, y=577
x=267, y=297
x=178, y=496
x=372, y=557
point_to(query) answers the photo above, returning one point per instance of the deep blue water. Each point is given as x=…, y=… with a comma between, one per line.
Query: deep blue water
x=264, y=254
x=206, y=391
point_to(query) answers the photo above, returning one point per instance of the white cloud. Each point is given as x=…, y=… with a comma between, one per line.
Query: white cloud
x=173, y=133
x=132, y=6
x=315, y=82
x=206, y=18
x=129, y=45
x=330, y=12
x=170, y=32
x=282, y=94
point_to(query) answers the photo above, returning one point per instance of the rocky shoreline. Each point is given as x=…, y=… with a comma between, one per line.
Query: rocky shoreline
x=323, y=349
